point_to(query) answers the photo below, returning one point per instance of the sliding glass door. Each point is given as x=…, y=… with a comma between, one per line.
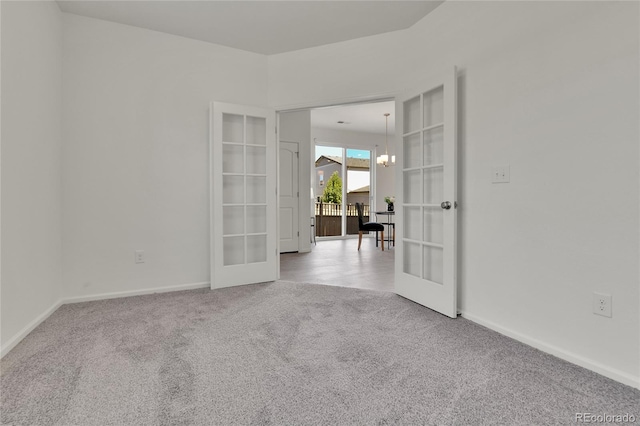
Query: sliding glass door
x=342, y=179
x=358, y=187
x=329, y=190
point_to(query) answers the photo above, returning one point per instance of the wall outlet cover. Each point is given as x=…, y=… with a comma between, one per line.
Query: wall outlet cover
x=602, y=304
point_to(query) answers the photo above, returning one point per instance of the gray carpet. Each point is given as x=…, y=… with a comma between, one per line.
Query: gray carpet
x=286, y=353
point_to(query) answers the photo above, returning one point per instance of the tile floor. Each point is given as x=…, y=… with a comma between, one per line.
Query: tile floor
x=338, y=262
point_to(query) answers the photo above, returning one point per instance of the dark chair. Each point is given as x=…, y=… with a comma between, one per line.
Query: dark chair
x=369, y=226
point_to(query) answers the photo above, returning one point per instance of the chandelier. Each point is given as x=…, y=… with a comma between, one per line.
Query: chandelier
x=383, y=160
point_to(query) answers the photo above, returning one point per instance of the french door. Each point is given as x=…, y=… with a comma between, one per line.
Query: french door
x=243, y=195
x=425, y=269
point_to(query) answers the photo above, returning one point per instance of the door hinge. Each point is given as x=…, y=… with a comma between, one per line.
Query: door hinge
x=297, y=154
x=298, y=194
x=298, y=233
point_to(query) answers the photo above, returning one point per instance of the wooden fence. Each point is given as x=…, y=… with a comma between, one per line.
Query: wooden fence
x=329, y=219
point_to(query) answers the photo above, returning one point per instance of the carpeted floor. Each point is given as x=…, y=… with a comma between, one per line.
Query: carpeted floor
x=287, y=353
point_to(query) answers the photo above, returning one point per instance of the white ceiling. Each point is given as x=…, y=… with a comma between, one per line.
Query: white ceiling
x=367, y=118
x=265, y=27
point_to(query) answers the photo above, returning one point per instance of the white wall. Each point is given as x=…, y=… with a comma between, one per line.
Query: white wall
x=552, y=90
x=384, y=176
x=339, y=72
x=135, y=157
x=31, y=145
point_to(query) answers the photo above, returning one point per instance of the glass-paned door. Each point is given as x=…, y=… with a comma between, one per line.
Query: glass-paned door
x=243, y=198
x=358, y=188
x=343, y=178
x=329, y=168
x=426, y=256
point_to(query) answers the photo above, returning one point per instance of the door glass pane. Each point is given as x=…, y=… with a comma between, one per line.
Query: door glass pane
x=433, y=264
x=233, y=189
x=433, y=146
x=257, y=190
x=433, y=225
x=328, y=190
x=412, y=115
x=433, y=185
x=233, y=128
x=412, y=151
x=256, y=160
x=256, y=219
x=233, y=220
x=256, y=248
x=358, y=189
x=412, y=223
x=412, y=187
x=434, y=107
x=232, y=159
x=233, y=250
x=411, y=259
x=257, y=131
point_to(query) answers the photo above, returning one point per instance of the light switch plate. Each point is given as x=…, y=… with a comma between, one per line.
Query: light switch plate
x=500, y=174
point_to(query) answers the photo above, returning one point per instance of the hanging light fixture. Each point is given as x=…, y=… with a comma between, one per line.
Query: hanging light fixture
x=383, y=160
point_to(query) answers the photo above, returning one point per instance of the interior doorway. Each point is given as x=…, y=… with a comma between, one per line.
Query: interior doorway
x=349, y=137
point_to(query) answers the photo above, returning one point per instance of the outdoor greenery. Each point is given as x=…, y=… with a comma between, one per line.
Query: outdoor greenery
x=333, y=191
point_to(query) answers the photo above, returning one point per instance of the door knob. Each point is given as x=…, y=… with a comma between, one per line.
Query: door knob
x=445, y=205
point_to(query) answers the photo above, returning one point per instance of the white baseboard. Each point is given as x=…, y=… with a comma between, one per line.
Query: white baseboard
x=612, y=373
x=118, y=294
x=29, y=328
x=36, y=322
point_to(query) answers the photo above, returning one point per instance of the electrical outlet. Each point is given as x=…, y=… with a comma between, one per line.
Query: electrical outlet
x=139, y=256
x=602, y=304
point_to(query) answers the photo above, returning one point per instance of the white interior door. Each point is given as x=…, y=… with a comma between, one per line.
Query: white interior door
x=289, y=197
x=243, y=195
x=425, y=269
